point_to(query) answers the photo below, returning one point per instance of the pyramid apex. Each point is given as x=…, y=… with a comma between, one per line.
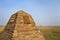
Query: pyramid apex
x=20, y=11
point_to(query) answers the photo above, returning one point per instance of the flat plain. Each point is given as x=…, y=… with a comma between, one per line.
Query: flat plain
x=49, y=32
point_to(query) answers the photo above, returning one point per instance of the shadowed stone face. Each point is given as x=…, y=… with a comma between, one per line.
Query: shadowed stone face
x=21, y=26
x=26, y=20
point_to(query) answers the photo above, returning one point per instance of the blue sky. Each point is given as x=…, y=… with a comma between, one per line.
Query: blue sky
x=44, y=12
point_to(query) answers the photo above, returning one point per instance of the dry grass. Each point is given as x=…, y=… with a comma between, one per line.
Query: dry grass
x=51, y=33
x=1, y=28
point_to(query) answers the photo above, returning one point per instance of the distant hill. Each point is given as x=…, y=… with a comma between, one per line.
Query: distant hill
x=1, y=25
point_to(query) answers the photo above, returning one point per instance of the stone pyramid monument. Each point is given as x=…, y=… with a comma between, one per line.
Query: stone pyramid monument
x=21, y=26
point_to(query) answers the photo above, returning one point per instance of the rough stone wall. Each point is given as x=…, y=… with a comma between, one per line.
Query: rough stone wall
x=21, y=26
x=7, y=33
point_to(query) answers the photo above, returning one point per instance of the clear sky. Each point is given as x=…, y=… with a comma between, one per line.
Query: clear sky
x=44, y=12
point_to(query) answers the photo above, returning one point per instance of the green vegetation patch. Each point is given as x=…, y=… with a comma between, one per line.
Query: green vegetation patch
x=51, y=33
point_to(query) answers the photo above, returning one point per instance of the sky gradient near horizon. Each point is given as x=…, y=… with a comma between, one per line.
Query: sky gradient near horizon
x=44, y=12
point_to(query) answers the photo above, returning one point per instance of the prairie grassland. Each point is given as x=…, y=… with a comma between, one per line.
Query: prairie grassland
x=1, y=28
x=49, y=32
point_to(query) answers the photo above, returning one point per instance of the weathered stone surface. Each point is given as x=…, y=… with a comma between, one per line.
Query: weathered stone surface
x=21, y=26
